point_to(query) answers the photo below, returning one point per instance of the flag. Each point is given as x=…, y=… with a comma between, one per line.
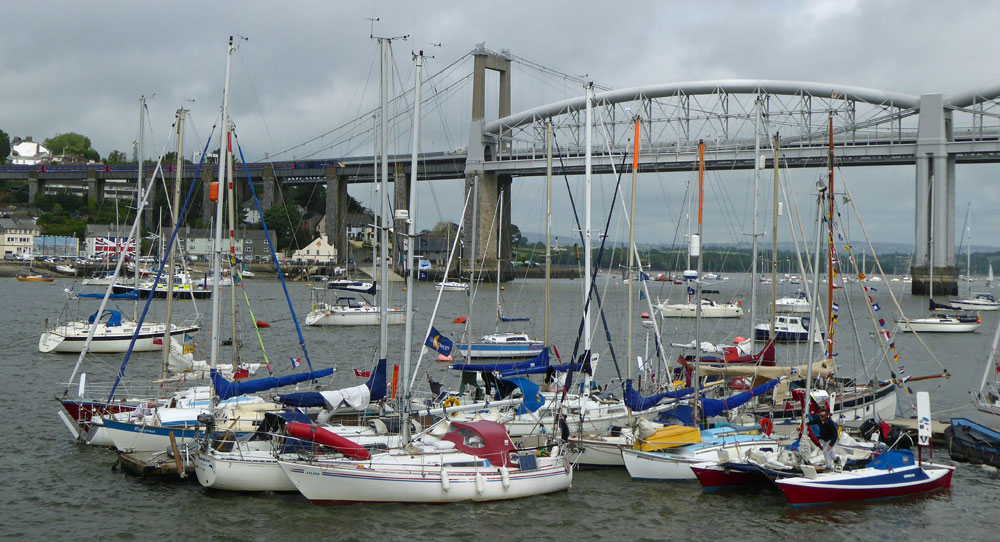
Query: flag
x=362, y=374
x=158, y=341
x=295, y=362
x=440, y=343
x=875, y=307
x=881, y=322
x=836, y=307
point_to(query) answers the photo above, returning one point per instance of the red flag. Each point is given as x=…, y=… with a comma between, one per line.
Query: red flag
x=362, y=374
x=158, y=341
x=240, y=374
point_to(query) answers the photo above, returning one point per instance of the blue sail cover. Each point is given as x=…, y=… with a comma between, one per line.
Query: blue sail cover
x=638, y=403
x=714, y=407
x=114, y=318
x=539, y=370
x=541, y=360
x=226, y=389
x=376, y=385
x=533, y=400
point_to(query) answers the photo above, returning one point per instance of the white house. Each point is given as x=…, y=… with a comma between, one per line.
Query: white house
x=17, y=236
x=26, y=151
x=319, y=251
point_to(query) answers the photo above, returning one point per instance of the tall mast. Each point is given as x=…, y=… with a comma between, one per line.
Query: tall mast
x=774, y=242
x=548, y=226
x=217, y=248
x=631, y=242
x=231, y=195
x=586, y=237
x=174, y=209
x=753, y=234
x=137, y=240
x=410, y=232
x=813, y=306
x=383, y=231
x=375, y=177
x=829, y=256
x=496, y=329
x=695, y=250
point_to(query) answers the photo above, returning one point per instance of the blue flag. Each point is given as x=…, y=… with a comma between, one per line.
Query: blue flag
x=437, y=341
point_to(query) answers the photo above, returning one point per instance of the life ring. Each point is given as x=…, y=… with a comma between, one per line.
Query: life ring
x=451, y=402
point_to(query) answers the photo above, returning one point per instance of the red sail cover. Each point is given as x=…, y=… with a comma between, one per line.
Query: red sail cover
x=326, y=437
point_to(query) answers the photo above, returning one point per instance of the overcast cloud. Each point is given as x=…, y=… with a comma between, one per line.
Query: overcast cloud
x=308, y=67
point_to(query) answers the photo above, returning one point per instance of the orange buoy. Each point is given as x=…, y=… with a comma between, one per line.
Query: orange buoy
x=459, y=320
x=261, y=323
x=644, y=315
x=442, y=357
x=213, y=191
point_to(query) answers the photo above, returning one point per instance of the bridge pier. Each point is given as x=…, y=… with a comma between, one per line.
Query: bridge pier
x=336, y=212
x=95, y=188
x=36, y=187
x=267, y=191
x=935, y=201
x=488, y=186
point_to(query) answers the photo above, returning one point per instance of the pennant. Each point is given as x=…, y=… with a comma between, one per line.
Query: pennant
x=440, y=343
x=295, y=362
x=862, y=276
x=870, y=300
x=158, y=341
x=896, y=357
x=881, y=322
x=836, y=307
x=875, y=307
x=847, y=247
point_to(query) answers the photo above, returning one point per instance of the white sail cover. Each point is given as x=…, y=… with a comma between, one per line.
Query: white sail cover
x=356, y=397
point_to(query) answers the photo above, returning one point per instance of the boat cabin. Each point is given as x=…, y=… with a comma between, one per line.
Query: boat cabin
x=482, y=438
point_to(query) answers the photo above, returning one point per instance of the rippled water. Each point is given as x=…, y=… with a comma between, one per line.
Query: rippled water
x=55, y=488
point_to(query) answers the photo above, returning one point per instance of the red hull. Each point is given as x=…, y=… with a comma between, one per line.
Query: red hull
x=801, y=495
x=715, y=478
x=83, y=411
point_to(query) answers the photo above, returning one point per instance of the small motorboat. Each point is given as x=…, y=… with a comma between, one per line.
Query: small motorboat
x=976, y=302
x=941, y=323
x=788, y=329
x=973, y=443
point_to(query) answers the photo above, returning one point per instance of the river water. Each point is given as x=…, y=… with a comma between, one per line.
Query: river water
x=55, y=488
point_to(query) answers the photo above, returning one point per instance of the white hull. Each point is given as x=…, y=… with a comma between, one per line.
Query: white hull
x=452, y=286
x=937, y=325
x=391, y=477
x=320, y=317
x=71, y=338
x=148, y=439
x=974, y=305
x=248, y=470
x=599, y=451
x=689, y=310
x=662, y=465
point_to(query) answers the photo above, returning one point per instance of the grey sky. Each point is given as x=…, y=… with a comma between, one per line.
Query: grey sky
x=310, y=66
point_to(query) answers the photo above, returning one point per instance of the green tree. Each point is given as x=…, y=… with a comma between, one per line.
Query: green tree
x=72, y=143
x=515, y=236
x=285, y=221
x=116, y=157
x=4, y=145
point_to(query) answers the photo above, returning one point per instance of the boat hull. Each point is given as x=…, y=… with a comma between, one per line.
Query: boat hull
x=252, y=470
x=973, y=443
x=865, y=484
x=70, y=338
x=351, y=482
x=935, y=325
x=134, y=437
x=338, y=318
x=676, y=464
x=714, y=477
x=501, y=351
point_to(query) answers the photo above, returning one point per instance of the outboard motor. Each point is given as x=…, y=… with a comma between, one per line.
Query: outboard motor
x=208, y=420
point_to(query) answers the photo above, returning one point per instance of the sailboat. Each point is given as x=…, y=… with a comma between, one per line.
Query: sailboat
x=507, y=344
x=974, y=301
x=453, y=461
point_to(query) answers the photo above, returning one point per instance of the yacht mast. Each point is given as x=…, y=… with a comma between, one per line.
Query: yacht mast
x=174, y=209
x=588, y=168
x=217, y=247
x=383, y=304
x=410, y=232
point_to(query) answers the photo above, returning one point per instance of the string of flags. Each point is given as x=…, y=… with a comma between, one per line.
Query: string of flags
x=885, y=333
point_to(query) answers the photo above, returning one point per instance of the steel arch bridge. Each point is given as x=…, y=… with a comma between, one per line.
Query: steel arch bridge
x=871, y=127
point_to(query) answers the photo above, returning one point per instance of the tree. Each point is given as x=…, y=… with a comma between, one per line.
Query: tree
x=116, y=157
x=515, y=235
x=72, y=143
x=4, y=145
x=285, y=222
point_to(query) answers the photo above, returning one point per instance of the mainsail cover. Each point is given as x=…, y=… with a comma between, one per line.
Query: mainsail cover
x=226, y=389
x=520, y=367
x=714, y=407
x=819, y=369
x=638, y=403
x=376, y=385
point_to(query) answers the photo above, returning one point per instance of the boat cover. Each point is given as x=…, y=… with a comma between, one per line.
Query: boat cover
x=511, y=368
x=714, y=407
x=819, y=369
x=130, y=295
x=226, y=389
x=376, y=385
x=115, y=320
x=638, y=403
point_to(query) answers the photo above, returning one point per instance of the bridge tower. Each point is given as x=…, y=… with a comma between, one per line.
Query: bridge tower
x=935, y=201
x=490, y=184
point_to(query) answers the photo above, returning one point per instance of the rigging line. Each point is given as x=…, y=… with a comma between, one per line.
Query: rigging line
x=367, y=114
x=234, y=271
x=274, y=254
x=159, y=272
x=881, y=272
x=256, y=99
x=592, y=287
x=444, y=279
x=579, y=229
x=632, y=249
